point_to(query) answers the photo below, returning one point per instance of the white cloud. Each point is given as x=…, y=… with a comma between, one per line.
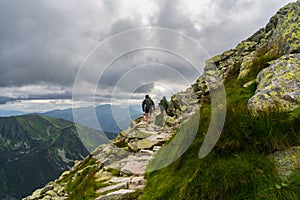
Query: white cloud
x=42, y=105
x=28, y=91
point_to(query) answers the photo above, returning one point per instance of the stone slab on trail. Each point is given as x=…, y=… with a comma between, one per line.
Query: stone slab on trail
x=136, y=166
x=121, y=185
x=119, y=194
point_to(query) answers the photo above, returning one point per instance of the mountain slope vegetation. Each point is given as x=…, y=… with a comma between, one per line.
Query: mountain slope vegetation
x=35, y=149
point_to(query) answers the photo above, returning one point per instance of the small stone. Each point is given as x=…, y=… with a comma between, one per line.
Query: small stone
x=156, y=148
x=184, y=108
x=137, y=182
x=249, y=83
x=149, y=152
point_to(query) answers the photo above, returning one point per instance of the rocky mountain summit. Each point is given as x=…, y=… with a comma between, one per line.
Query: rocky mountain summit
x=261, y=74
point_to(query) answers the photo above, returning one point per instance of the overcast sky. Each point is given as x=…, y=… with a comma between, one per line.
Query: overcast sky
x=46, y=44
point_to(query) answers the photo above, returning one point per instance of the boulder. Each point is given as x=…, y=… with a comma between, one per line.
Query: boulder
x=159, y=120
x=278, y=85
x=147, y=144
x=139, y=134
x=287, y=162
x=170, y=121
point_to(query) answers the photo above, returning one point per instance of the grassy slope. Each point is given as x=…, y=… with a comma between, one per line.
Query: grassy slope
x=33, y=167
x=238, y=167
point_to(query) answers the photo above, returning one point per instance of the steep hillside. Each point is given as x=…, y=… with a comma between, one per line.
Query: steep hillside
x=34, y=150
x=257, y=155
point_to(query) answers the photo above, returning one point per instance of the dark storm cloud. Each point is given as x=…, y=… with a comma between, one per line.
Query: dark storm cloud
x=39, y=43
x=4, y=100
x=222, y=24
x=167, y=67
x=44, y=42
x=145, y=88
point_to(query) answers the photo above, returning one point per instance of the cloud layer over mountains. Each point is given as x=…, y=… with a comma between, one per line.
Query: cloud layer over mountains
x=43, y=43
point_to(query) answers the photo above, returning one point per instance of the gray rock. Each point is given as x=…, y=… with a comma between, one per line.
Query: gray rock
x=170, y=121
x=136, y=182
x=118, y=186
x=119, y=180
x=278, y=85
x=156, y=148
x=287, y=162
x=135, y=165
x=117, y=195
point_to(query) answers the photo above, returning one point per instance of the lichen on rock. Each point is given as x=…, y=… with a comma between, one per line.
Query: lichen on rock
x=278, y=85
x=287, y=162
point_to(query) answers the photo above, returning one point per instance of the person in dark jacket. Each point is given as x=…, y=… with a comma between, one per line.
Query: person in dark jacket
x=148, y=106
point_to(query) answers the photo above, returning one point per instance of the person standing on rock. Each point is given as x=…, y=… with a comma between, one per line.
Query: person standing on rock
x=163, y=105
x=148, y=106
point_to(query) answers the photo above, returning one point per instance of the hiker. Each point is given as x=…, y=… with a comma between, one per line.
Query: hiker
x=148, y=107
x=163, y=105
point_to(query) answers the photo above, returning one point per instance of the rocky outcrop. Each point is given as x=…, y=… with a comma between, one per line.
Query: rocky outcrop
x=281, y=36
x=278, y=85
x=278, y=45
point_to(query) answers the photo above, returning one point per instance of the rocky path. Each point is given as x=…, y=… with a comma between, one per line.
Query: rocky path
x=141, y=141
x=117, y=169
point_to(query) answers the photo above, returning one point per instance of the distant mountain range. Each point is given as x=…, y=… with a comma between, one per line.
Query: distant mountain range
x=35, y=149
x=8, y=113
x=111, y=119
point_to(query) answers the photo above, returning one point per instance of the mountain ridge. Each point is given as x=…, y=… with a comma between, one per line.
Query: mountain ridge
x=255, y=145
x=34, y=150
x=9, y=113
x=111, y=125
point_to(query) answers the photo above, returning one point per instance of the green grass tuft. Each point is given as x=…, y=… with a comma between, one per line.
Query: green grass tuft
x=81, y=183
x=262, y=132
x=261, y=62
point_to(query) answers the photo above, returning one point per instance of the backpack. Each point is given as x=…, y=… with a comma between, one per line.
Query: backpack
x=149, y=103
